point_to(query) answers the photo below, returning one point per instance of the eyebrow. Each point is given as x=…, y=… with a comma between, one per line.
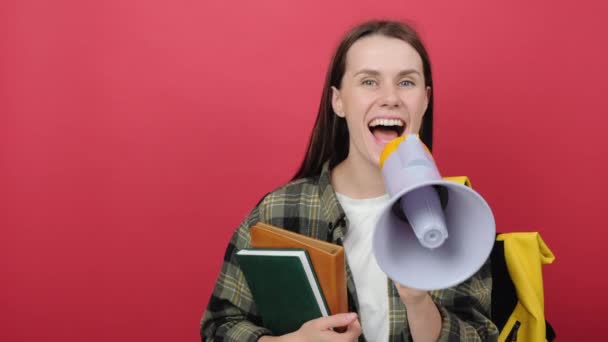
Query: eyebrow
x=402, y=73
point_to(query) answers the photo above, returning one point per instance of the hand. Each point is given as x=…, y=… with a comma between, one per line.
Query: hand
x=320, y=329
x=410, y=296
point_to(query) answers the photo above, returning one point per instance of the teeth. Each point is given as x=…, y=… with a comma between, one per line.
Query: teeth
x=386, y=122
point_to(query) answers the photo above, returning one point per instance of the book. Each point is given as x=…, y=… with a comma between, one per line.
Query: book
x=284, y=286
x=327, y=260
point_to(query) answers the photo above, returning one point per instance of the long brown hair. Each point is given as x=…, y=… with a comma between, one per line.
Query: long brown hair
x=329, y=139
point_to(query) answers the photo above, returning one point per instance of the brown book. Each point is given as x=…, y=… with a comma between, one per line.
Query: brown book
x=327, y=260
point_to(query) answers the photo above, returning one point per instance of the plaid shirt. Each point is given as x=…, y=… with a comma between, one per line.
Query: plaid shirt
x=309, y=206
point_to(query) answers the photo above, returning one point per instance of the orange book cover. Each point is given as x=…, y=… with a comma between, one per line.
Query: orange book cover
x=327, y=260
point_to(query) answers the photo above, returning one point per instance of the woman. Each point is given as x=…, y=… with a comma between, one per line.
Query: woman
x=378, y=87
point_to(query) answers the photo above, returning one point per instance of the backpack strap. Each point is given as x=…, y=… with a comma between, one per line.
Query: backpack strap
x=462, y=180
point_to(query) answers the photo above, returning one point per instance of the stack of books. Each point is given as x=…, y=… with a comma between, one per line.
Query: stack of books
x=293, y=278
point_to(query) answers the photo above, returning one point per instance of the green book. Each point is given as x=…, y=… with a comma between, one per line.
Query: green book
x=284, y=287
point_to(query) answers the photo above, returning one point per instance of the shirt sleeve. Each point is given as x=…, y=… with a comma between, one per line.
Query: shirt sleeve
x=465, y=309
x=231, y=314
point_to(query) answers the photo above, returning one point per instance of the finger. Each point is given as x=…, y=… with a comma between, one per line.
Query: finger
x=354, y=329
x=339, y=320
x=352, y=333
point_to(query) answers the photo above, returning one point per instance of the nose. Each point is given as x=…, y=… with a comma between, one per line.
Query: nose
x=390, y=97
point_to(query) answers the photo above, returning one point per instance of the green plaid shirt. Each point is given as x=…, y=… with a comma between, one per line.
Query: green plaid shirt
x=309, y=206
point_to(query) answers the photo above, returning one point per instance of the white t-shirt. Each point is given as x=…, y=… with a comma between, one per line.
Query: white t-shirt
x=370, y=281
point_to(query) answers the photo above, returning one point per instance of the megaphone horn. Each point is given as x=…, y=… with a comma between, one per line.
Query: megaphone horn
x=433, y=234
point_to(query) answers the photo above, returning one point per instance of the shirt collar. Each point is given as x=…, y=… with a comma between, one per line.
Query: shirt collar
x=332, y=210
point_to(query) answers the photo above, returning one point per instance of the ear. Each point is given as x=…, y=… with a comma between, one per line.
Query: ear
x=427, y=99
x=336, y=102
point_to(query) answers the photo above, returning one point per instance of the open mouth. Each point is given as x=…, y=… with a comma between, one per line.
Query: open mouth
x=385, y=130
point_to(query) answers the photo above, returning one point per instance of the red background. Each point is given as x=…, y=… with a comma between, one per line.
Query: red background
x=136, y=135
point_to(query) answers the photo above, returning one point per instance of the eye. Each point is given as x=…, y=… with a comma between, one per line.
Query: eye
x=406, y=83
x=369, y=82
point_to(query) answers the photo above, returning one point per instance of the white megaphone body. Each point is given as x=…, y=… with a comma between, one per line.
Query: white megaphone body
x=434, y=233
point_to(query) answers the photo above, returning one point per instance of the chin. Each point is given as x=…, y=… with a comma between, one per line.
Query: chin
x=374, y=157
x=372, y=153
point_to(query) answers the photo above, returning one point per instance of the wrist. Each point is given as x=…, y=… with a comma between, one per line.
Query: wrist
x=415, y=302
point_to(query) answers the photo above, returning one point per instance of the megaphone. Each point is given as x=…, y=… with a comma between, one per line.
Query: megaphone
x=434, y=233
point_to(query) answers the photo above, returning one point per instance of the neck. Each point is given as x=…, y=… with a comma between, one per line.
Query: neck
x=358, y=179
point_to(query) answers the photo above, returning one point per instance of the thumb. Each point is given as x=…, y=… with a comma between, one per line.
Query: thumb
x=338, y=320
x=354, y=329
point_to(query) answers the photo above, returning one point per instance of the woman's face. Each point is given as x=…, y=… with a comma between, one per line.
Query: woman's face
x=382, y=95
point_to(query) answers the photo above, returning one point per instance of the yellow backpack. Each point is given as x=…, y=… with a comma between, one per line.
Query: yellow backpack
x=518, y=304
x=517, y=287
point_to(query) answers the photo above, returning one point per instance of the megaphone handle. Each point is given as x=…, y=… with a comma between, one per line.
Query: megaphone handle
x=422, y=208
